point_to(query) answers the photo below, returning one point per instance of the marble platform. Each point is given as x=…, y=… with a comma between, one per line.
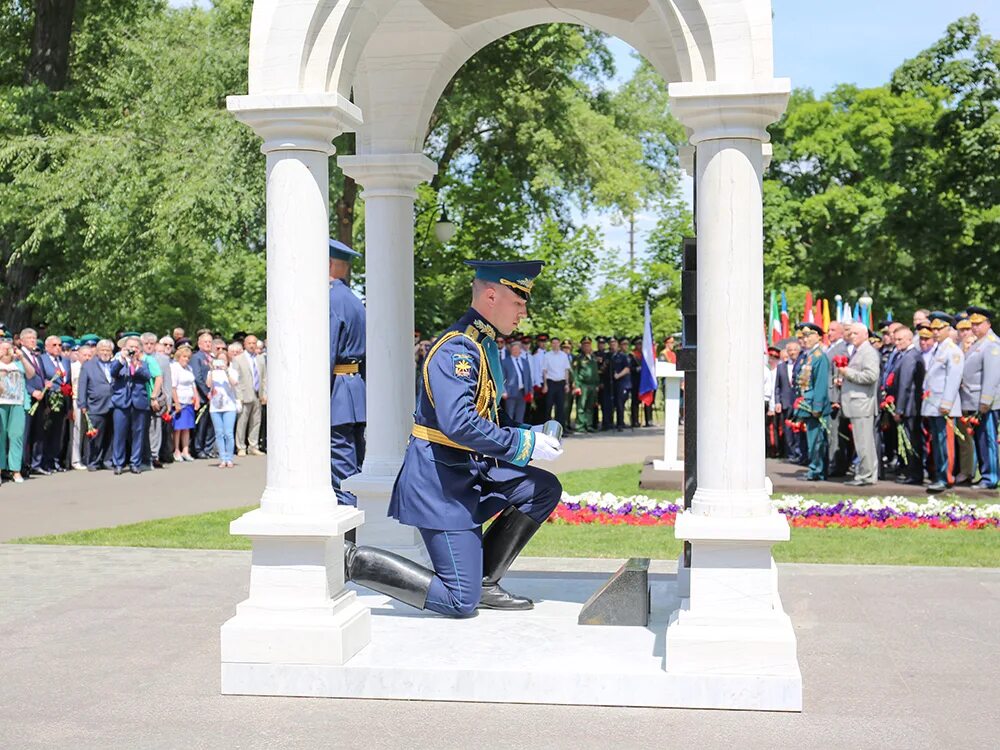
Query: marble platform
x=542, y=656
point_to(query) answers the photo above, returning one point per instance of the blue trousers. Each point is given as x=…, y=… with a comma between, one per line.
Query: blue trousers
x=224, y=424
x=457, y=556
x=130, y=424
x=816, y=439
x=347, y=454
x=943, y=449
x=987, y=448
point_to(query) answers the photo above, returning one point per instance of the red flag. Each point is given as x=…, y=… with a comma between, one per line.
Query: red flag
x=807, y=314
x=818, y=313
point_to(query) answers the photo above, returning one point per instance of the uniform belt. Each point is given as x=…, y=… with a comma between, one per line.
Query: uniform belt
x=347, y=369
x=436, y=436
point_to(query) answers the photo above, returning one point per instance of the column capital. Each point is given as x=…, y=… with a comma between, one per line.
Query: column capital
x=296, y=122
x=383, y=175
x=713, y=110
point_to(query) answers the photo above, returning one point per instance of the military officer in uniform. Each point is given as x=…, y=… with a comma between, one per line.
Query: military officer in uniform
x=621, y=379
x=814, y=409
x=585, y=375
x=347, y=387
x=467, y=462
x=984, y=390
x=941, y=399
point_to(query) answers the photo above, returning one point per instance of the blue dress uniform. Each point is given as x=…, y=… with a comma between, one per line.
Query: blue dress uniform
x=466, y=462
x=814, y=386
x=942, y=403
x=984, y=358
x=347, y=386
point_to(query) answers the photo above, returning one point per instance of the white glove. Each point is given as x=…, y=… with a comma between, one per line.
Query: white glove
x=546, y=448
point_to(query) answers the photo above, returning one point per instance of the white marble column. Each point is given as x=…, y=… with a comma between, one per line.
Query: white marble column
x=298, y=610
x=389, y=182
x=732, y=622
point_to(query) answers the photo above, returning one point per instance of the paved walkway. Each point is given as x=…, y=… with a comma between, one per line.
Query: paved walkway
x=78, y=500
x=119, y=648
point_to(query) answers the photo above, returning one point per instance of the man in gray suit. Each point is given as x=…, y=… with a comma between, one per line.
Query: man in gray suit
x=161, y=400
x=251, y=390
x=859, y=401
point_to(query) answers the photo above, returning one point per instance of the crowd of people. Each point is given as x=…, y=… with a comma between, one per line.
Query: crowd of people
x=914, y=403
x=130, y=404
x=586, y=389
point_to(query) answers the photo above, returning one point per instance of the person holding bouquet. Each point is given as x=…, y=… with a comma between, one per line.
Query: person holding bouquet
x=813, y=405
x=859, y=380
x=53, y=409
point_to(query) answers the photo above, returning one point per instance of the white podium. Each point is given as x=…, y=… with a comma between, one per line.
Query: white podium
x=671, y=416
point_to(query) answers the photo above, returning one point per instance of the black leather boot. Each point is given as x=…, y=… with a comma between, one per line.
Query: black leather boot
x=387, y=573
x=502, y=542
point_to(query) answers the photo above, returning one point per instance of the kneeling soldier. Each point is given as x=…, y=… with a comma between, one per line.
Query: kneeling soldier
x=466, y=462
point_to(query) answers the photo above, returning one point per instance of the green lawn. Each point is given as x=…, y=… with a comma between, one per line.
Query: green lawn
x=832, y=545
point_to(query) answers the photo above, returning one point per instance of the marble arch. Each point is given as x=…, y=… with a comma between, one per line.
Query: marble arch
x=307, y=59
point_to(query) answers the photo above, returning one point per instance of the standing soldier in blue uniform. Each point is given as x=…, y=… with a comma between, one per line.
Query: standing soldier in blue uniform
x=467, y=462
x=941, y=400
x=347, y=385
x=814, y=408
x=984, y=355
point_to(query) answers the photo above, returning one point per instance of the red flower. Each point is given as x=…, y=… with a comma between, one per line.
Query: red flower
x=168, y=417
x=66, y=389
x=798, y=402
x=927, y=395
x=890, y=399
x=92, y=433
x=890, y=380
x=840, y=360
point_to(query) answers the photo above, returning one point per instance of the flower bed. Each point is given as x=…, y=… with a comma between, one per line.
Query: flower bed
x=869, y=512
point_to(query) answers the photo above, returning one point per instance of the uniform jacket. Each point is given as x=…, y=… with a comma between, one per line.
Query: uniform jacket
x=585, y=370
x=814, y=383
x=908, y=385
x=93, y=392
x=981, y=374
x=942, y=381
x=347, y=342
x=859, y=392
x=619, y=361
x=129, y=389
x=438, y=486
x=509, y=365
x=244, y=388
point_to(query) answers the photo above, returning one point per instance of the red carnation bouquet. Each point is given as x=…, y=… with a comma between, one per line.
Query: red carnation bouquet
x=840, y=360
x=167, y=417
x=91, y=430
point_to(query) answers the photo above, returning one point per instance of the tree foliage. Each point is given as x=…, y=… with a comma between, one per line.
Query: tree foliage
x=895, y=189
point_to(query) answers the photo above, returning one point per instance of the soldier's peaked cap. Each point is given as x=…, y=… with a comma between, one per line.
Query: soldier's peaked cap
x=518, y=275
x=340, y=251
x=979, y=314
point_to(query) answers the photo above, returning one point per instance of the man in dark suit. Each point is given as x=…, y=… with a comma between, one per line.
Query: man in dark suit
x=52, y=411
x=130, y=402
x=906, y=386
x=94, y=397
x=201, y=364
x=785, y=393
x=516, y=381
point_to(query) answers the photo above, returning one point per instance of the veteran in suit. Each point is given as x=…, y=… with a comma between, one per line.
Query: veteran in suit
x=130, y=405
x=981, y=393
x=251, y=390
x=858, y=384
x=942, y=403
x=467, y=461
x=94, y=396
x=907, y=388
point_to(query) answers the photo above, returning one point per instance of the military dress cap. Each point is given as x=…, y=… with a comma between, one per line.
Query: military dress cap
x=806, y=327
x=979, y=314
x=518, y=275
x=940, y=320
x=774, y=351
x=883, y=325
x=602, y=339
x=587, y=340
x=89, y=339
x=340, y=251
x=183, y=341
x=130, y=335
x=541, y=337
x=924, y=331
x=67, y=340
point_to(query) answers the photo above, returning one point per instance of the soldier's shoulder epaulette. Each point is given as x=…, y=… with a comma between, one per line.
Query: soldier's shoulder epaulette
x=818, y=355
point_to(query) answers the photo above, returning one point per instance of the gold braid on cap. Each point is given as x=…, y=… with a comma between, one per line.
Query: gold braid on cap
x=523, y=285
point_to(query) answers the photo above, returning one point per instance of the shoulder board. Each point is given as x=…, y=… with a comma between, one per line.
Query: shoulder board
x=817, y=354
x=440, y=342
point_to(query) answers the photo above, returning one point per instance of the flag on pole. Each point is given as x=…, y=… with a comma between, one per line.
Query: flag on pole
x=847, y=316
x=840, y=307
x=774, y=321
x=785, y=331
x=818, y=313
x=826, y=315
x=888, y=315
x=647, y=378
x=807, y=313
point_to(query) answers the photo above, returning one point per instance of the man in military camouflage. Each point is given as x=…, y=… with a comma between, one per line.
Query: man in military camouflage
x=586, y=378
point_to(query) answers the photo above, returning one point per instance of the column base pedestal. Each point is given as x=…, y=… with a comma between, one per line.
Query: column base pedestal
x=298, y=610
x=373, y=492
x=731, y=623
